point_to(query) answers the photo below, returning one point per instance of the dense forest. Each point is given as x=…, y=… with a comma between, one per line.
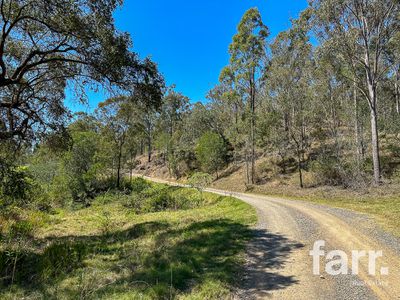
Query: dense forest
x=321, y=98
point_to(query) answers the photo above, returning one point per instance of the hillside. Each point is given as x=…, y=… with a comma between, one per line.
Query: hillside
x=381, y=202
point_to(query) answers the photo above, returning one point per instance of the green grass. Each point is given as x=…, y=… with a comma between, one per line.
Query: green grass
x=382, y=203
x=385, y=210
x=109, y=251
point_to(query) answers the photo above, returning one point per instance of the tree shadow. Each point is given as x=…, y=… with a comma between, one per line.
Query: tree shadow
x=178, y=260
x=51, y=258
x=266, y=255
x=210, y=251
x=187, y=257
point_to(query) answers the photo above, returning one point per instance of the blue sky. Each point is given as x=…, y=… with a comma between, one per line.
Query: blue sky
x=189, y=39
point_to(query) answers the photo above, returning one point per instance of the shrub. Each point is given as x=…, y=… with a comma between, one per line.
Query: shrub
x=81, y=166
x=211, y=152
x=139, y=184
x=149, y=197
x=200, y=181
x=159, y=202
x=17, y=186
x=331, y=171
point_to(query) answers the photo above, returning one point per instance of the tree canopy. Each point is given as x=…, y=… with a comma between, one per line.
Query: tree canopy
x=48, y=46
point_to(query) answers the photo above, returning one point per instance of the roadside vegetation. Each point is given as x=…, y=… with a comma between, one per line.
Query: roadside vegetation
x=149, y=242
x=314, y=108
x=382, y=204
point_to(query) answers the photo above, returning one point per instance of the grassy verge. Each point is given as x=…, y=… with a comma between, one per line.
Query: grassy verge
x=382, y=203
x=111, y=250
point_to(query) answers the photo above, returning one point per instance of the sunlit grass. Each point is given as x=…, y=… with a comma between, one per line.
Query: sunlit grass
x=383, y=206
x=107, y=251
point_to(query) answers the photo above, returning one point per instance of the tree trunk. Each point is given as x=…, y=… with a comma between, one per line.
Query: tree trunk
x=247, y=166
x=252, y=129
x=141, y=147
x=253, y=154
x=397, y=93
x=133, y=156
x=357, y=129
x=375, y=147
x=300, y=169
x=119, y=167
x=373, y=101
x=149, y=149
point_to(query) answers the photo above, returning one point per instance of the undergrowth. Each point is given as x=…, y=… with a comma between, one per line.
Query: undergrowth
x=151, y=242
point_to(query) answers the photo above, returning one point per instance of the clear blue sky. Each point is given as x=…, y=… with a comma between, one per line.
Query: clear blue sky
x=189, y=39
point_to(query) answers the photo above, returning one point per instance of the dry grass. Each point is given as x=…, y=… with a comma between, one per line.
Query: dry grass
x=382, y=202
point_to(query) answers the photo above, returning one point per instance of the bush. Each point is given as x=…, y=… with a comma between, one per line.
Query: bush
x=139, y=184
x=211, y=152
x=159, y=202
x=331, y=171
x=17, y=186
x=147, y=197
x=200, y=181
x=81, y=167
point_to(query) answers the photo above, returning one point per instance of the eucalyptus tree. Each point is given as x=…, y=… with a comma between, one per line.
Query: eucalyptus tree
x=48, y=45
x=247, y=57
x=359, y=32
x=148, y=120
x=332, y=95
x=174, y=106
x=290, y=83
x=229, y=111
x=117, y=118
x=169, y=125
x=393, y=62
x=198, y=121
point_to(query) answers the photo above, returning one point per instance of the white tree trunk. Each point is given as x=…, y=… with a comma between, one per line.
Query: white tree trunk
x=374, y=133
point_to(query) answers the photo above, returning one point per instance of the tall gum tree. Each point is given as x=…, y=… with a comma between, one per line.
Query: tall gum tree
x=290, y=82
x=248, y=52
x=359, y=31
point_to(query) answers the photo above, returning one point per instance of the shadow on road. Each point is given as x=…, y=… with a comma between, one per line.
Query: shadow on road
x=266, y=255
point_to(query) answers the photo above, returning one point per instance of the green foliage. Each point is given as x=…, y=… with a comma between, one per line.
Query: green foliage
x=81, y=166
x=17, y=186
x=329, y=170
x=200, y=180
x=248, y=46
x=211, y=152
x=139, y=185
x=82, y=47
x=110, y=252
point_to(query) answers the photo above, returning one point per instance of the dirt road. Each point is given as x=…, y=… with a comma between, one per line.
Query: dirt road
x=280, y=265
